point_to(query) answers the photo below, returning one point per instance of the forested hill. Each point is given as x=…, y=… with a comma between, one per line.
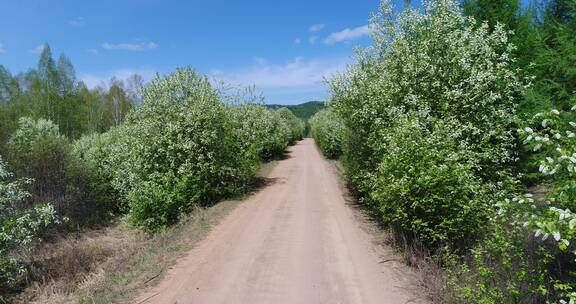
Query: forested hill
x=303, y=110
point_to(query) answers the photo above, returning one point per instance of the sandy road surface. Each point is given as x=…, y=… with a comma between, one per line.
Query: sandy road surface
x=294, y=241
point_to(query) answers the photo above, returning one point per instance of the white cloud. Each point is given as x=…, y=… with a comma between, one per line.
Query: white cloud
x=316, y=27
x=297, y=41
x=298, y=73
x=94, y=80
x=295, y=81
x=77, y=22
x=312, y=39
x=38, y=49
x=92, y=51
x=140, y=46
x=348, y=34
x=2, y=49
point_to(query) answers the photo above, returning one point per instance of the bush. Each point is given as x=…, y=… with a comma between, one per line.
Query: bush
x=260, y=129
x=94, y=163
x=294, y=127
x=433, y=81
x=508, y=266
x=179, y=149
x=38, y=150
x=62, y=177
x=183, y=147
x=328, y=131
x=20, y=227
x=426, y=188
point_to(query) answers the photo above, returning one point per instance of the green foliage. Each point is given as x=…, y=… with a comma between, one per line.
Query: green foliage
x=184, y=147
x=555, y=141
x=430, y=109
x=53, y=92
x=292, y=124
x=20, y=227
x=95, y=158
x=427, y=188
x=38, y=150
x=304, y=110
x=181, y=151
x=506, y=267
x=554, y=65
x=328, y=131
x=494, y=11
x=260, y=129
x=63, y=175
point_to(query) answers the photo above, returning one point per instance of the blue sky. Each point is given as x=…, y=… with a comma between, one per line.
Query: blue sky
x=285, y=48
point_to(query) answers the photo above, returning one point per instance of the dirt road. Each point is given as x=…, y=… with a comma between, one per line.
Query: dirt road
x=294, y=241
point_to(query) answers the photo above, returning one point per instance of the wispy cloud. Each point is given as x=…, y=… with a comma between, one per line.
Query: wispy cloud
x=2, y=49
x=297, y=41
x=296, y=80
x=77, y=22
x=296, y=73
x=316, y=27
x=139, y=46
x=348, y=34
x=312, y=39
x=38, y=49
x=95, y=80
x=92, y=51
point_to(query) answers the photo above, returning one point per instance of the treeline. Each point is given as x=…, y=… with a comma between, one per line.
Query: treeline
x=186, y=145
x=445, y=124
x=52, y=91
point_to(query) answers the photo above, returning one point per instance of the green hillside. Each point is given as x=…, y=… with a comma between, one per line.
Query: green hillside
x=303, y=110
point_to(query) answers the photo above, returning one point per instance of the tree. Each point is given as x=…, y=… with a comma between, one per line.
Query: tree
x=117, y=102
x=560, y=11
x=5, y=85
x=134, y=87
x=47, y=69
x=522, y=23
x=66, y=75
x=494, y=11
x=554, y=61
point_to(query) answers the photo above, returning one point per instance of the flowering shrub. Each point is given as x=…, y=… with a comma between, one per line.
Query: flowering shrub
x=426, y=188
x=292, y=125
x=178, y=150
x=260, y=129
x=328, y=132
x=528, y=254
x=20, y=227
x=183, y=147
x=38, y=150
x=430, y=111
x=97, y=160
x=554, y=219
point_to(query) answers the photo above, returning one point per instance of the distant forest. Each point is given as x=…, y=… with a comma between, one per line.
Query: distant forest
x=52, y=91
x=303, y=110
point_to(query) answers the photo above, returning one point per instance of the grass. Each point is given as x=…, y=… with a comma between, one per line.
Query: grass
x=113, y=264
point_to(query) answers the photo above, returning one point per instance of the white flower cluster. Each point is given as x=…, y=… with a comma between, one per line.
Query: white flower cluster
x=556, y=141
x=19, y=227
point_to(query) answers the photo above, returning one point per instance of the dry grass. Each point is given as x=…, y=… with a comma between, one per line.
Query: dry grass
x=76, y=261
x=110, y=265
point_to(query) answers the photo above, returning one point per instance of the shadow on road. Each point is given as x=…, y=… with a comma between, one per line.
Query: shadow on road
x=260, y=183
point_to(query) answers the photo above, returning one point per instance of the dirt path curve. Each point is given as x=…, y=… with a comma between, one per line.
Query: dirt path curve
x=294, y=241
